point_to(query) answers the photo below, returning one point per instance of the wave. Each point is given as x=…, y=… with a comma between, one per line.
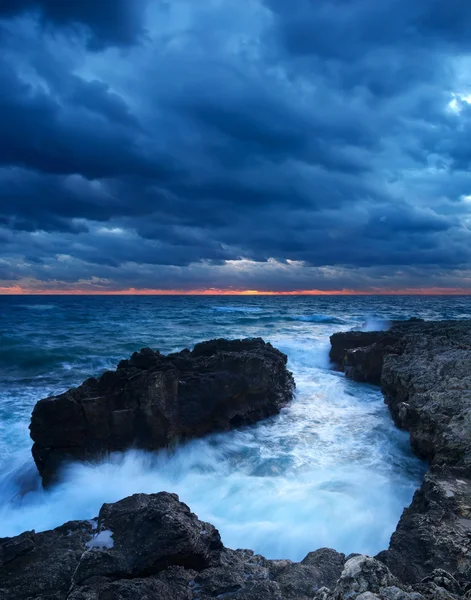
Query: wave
x=37, y=306
x=375, y=324
x=231, y=309
x=318, y=318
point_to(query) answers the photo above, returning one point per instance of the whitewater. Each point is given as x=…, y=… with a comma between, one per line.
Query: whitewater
x=330, y=470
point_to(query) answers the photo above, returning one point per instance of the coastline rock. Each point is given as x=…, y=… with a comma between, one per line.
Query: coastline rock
x=148, y=547
x=427, y=386
x=347, y=340
x=152, y=400
x=424, y=369
x=151, y=546
x=434, y=532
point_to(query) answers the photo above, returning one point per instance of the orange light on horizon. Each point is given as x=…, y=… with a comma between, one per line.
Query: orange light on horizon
x=17, y=290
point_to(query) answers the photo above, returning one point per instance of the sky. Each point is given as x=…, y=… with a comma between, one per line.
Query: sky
x=229, y=145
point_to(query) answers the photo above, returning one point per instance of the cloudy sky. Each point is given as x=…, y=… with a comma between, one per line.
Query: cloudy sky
x=235, y=145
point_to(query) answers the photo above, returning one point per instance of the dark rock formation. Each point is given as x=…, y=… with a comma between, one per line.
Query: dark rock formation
x=346, y=340
x=152, y=400
x=364, y=578
x=435, y=530
x=148, y=547
x=425, y=372
x=151, y=546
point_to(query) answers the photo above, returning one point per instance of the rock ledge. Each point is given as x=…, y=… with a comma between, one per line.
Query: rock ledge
x=424, y=369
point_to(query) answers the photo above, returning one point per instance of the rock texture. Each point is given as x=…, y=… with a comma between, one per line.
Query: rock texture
x=152, y=400
x=151, y=547
x=424, y=369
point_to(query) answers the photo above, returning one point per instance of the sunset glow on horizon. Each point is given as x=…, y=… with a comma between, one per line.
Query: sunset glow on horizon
x=19, y=291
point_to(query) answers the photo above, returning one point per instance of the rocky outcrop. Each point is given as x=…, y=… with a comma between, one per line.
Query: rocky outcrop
x=364, y=578
x=434, y=532
x=343, y=341
x=152, y=400
x=424, y=369
x=153, y=547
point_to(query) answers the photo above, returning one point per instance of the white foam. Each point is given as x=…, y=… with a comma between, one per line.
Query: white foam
x=103, y=539
x=330, y=470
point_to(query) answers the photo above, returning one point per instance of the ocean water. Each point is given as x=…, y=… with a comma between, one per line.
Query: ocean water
x=330, y=470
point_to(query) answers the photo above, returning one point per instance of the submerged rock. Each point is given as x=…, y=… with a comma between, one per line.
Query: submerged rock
x=152, y=400
x=425, y=372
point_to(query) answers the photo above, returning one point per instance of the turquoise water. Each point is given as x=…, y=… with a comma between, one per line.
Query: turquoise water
x=330, y=470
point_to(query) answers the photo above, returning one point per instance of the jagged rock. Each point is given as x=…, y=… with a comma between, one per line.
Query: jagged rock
x=152, y=400
x=362, y=574
x=152, y=546
x=10, y=548
x=138, y=541
x=425, y=374
x=427, y=386
x=300, y=581
x=444, y=580
x=143, y=534
x=434, y=532
x=365, y=363
x=346, y=340
x=45, y=570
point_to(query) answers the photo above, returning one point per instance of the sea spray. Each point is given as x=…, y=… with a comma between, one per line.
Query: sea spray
x=330, y=470
x=314, y=476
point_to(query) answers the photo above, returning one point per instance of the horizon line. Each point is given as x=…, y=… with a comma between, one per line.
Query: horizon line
x=431, y=291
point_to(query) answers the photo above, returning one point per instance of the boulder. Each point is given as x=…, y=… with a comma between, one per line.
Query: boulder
x=362, y=574
x=134, y=539
x=319, y=569
x=346, y=340
x=152, y=400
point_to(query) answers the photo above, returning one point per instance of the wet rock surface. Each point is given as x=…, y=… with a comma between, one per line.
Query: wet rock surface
x=152, y=400
x=424, y=369
x=152, y=547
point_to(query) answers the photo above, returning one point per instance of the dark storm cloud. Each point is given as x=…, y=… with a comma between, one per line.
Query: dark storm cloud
x=107, y=22
x=255, y=144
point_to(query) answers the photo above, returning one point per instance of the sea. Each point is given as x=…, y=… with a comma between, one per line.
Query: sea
x=331, y=470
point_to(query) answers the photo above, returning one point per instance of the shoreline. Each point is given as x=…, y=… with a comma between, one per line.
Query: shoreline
x=402, y=566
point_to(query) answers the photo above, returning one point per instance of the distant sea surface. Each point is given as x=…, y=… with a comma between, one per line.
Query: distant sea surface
x=330, y=470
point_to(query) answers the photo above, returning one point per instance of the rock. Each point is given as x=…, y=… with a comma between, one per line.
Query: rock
x=149, y=535
x=45, y=570
x=10, y=548
x=362, y=574
x=425, y=372
x=427, y=386
x=172, y=584
x=365, y=363
x=444, y=580
x=151, y=546
x=148, y=547
x=434, y=533
x=152, y=400
x=346, y=340
x=143, y=534
x=300, y=581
